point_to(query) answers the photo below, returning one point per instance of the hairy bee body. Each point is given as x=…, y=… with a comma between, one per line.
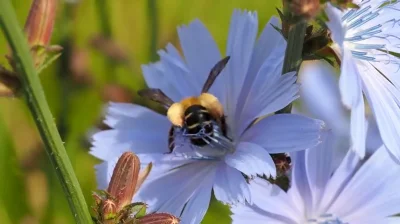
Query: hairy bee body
x=201, y=118
x=198, y=119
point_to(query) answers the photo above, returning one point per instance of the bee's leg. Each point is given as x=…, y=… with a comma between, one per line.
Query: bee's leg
x=224, y=127
x=171, y=139
x=206, y=141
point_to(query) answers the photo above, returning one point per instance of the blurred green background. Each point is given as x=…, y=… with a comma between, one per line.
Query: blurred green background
x=103, y=50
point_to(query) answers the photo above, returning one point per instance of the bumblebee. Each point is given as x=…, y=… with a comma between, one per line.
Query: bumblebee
x=199, y=118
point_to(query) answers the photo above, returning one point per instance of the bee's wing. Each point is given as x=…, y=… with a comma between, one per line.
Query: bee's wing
x=156, y=95
x=215, y=71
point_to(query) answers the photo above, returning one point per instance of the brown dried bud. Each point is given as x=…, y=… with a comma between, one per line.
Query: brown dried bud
x=39, y=28
x=305, y=8
x=40, y=22
x=158, y=218
x=124, y=179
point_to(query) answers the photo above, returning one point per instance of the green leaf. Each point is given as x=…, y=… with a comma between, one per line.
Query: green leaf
x=138, y=208
x=279, y=30
x=352, y=5
x=323, y=17
x=48, y=62
x=217, y=211
x=280, y=13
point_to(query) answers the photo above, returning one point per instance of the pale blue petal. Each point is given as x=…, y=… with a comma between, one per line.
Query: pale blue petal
x=110, y=143
x=169, y=191
x=391, y=220
x=156, y=76
x=320, y=96
x=335, y=24
x=383, y=100
x=251, y=159
x=200, y=50
x=162, y=162
x=285, y=133
x=370, y=220
x=349, y=82
x=136, y=129
x=300, y=192
x=244, y=214
x=339, y=180
x=270, y=47
x=127, y=116
x=104, y=172
x=374, y=140
x=319, y=165
x=197, y=206
x=269, y=44
x=378, y=198
x=241, y=40
x=179, y=75
x=230, y=186
x=273, y=200
x=358, y=129
x=341, y=145
x=390, y=69
x=270, y=92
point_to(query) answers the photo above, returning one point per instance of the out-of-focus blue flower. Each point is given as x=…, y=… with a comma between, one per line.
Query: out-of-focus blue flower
x=250, y=86
x=356, y=192
x=364, y=38
x=320, y=98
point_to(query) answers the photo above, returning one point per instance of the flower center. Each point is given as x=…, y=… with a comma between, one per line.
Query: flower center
x=214, y=144
x=326, y=219
x=378, y=41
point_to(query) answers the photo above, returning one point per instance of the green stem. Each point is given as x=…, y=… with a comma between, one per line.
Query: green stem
x=39, y=108
x=293, y=54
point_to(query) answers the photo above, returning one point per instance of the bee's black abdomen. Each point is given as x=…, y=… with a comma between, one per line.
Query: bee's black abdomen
x=196, y=118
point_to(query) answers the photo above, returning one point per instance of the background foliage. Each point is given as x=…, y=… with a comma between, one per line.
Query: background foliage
x=90, y=72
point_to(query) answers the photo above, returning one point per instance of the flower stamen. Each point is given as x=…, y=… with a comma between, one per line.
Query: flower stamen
x=326, y=219
x=217, y=144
